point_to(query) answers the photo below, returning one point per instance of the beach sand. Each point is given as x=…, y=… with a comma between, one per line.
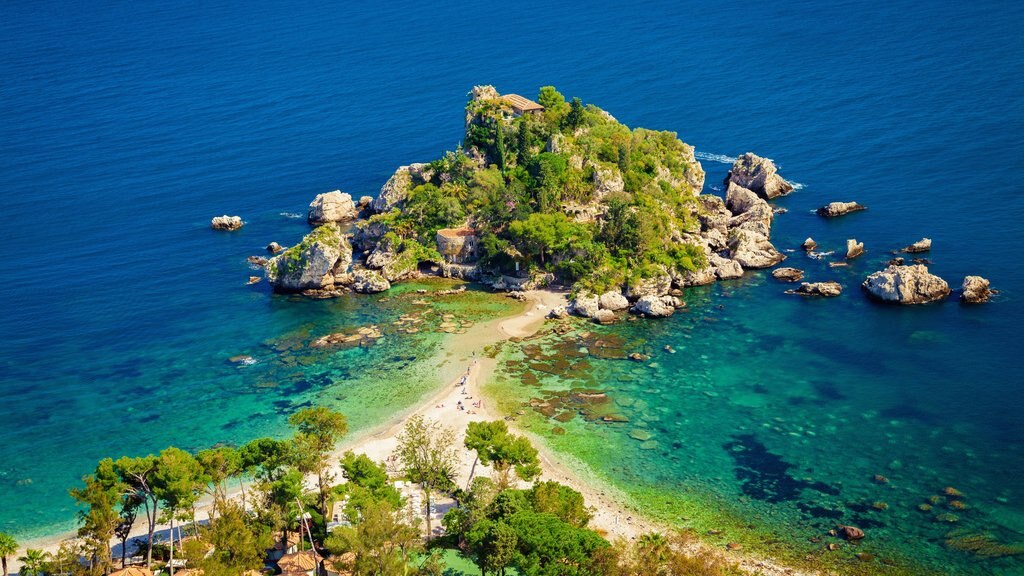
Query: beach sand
x=613, y=516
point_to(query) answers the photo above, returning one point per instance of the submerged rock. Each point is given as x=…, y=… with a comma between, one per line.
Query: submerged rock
x=975, y=289
x=922, y=245
x=226, y=222
x=833, y=209
x=335, y=207
x=828, y=289
x=906, y=285
x=788, y=274
x=853, y=248
x=759, y=175
x=851, y=532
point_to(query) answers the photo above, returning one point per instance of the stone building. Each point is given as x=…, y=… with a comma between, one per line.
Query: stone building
x=458, y=245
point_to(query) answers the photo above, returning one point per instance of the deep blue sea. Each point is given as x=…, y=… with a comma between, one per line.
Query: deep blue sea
x=124, y=127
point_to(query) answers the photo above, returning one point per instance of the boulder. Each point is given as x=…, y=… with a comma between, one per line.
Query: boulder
x=365, y=201
x=906, y=285
x=585, y=305
x=758, y=175
x=613, y=300
x=851, y=532
x=788, y=274
x=713, y=215
x=604, y=316
x=809, y=244
x=701, y=277
x=274, y=248
x=725, y=269
x=558, y=313
x=657, y=285
x=258, y=261
x=922, y=245
x=226, y=222
x=332, y=207
x=975, y=289
x=397, y=188
x=314, y=264
x=829, y=289
x=833, y=209
x=853, y=248
x=739, y=199
x=369, y=282
x=654, y=306
x=752, y=250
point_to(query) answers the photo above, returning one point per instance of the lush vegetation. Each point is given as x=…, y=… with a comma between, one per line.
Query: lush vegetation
x=570, y=191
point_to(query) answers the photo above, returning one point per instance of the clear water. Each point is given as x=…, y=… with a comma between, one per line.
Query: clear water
x=124, y=127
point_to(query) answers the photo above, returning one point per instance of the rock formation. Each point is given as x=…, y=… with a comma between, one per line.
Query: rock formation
x=397, y=188
x=332, y=207
x=906, y=285
x=320, y=261
x=833, y=209
x=759, y=175
x=274, y=248
x=922, y=245
x=585, y=305
x=975, y=289
x=226, y=222
x=752, y=250
x=369, y=282
x=853, y=248
x=809, y=244
x=828, y=289
x=613, y=301
x=654, y=306
x=725, y=269
x=788, y=274
x=604, y=316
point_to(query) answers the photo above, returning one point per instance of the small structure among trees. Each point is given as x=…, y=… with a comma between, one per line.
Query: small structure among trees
x=458, y=245
x=522, y=106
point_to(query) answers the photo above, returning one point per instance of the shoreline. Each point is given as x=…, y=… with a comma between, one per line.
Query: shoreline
x=613, y=514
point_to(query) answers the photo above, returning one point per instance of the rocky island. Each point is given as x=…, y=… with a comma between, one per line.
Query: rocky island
x=540, y=193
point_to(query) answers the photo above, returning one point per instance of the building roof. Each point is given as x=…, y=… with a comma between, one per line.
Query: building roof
x=132, y=571
x=456, y=232
x=304, y=561
x=521, y=103
x=346, y=559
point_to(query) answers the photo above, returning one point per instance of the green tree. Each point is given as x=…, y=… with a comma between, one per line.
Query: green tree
x=380, y=544
x=367, y=482
x=561, y=501
x=8, y=547
x=237, y=545
x=99, y=519
x=574, y=119
x=137, y=475
x=177, y=482
x=129, y=511
x=266, y=458
x=220, y=464
x=33, y=562
x=429, y=457
x=495, y=446
x=317, y=432
x=548, y=546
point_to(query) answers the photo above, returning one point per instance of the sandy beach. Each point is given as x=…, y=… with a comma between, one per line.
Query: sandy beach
x=613, y=516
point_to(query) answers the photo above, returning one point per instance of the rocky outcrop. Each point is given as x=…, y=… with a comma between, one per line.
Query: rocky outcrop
x=332, y=207
x=906, y=285
x=759, y=175
x=322, y=259
x=613, y=300
x=828, y=289
x=369, y=282
x=809, y=244
x=274, y=248
x=922, y=245
x=585, y=305
x=725, y=269
x=976, y=289
x=701, y=277
x=788, y=274
x=853, y=248
x=752, y=250
x=226, y=222
x=833, y=209
x=385, y=259
x=657, y=285
x=655, y=306
x=607, y=181
x=397, y=188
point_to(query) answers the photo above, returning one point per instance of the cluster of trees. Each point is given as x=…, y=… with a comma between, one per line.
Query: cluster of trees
x=522, y=174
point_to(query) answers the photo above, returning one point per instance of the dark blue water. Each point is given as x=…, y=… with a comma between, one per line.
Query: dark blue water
x=124, y=127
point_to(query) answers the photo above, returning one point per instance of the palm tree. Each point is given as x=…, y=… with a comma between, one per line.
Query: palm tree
x=8, y=546
x=32, y=562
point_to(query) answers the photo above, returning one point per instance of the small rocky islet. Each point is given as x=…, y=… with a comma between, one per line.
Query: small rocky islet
x=559, y=193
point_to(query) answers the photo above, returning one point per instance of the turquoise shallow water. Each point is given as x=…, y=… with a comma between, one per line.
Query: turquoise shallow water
x=125, y=126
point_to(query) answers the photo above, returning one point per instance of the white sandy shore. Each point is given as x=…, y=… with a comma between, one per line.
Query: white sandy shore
x=612, y=514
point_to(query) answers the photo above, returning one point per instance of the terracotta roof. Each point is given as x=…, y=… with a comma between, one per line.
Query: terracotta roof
x=521, y=103
x=299, y=561
x=456, y=232
x=132, y=571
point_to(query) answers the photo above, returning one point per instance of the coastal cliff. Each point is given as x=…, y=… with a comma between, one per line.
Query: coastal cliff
x=540, y=193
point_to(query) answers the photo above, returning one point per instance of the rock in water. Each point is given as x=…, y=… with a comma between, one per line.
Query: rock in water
x=613, y=300
x=558, y=313
x=975, y=289
x=369, y=282
x=759, y=175
x=274, y=248
x=330, y=207
x=827, y=289
x=809, y=244
x=851, y=532
x=226, y=222
x=654, y=306
x=585, y=305
x=725, y=269
x=906, y=285
x=922, y=245
x=752, y=250
x=833, y=209
x=318, y=262
x=604, y=316
x=853, y=248
x=788, y=274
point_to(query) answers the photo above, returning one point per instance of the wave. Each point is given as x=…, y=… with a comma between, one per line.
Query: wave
x=714, y=157
x=292, y=215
